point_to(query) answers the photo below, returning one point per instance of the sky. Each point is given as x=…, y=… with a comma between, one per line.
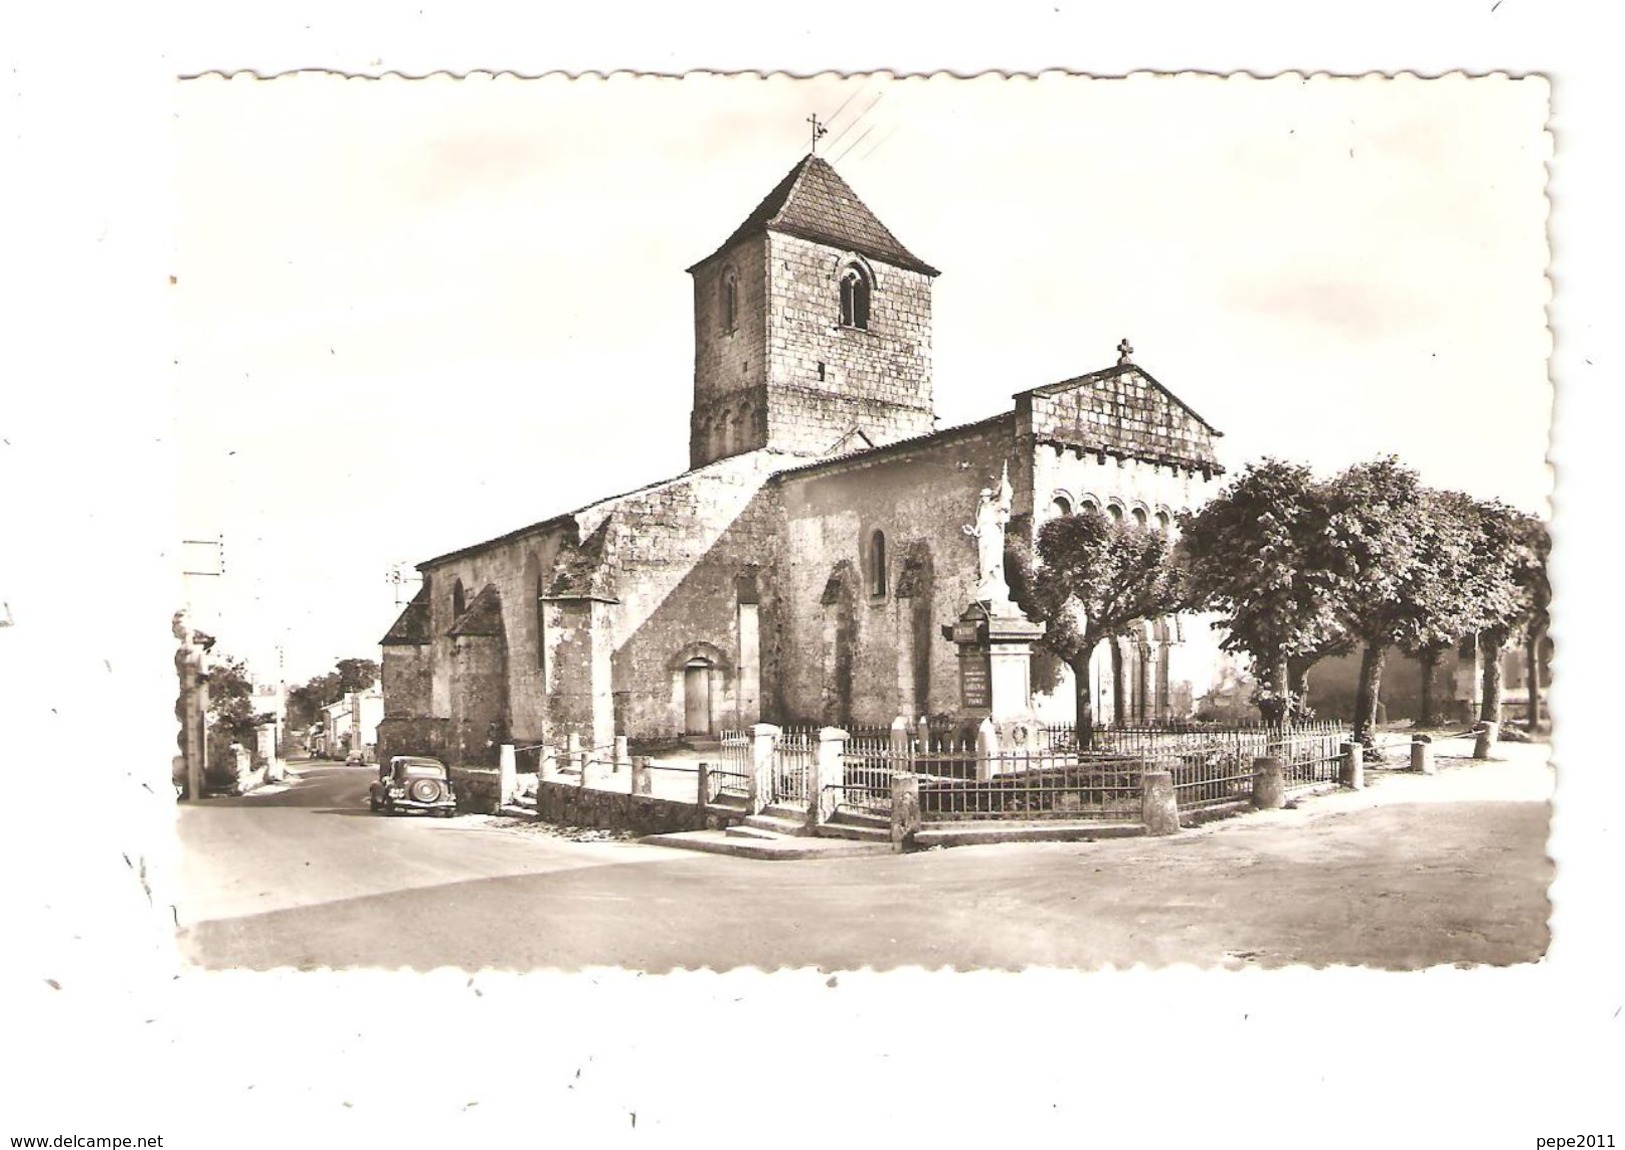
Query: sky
x=414, y=315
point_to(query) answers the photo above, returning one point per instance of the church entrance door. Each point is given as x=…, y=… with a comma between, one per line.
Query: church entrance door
x=697, y=698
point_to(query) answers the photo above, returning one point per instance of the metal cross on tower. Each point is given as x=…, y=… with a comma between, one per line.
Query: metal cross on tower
x=1124, y=350
x=818, y=130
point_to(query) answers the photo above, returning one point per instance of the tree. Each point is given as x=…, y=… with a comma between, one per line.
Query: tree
x=1252, y=557
x=1536, y=581
x=1369, y=553
x=1513, y=552
x=1444, y=595
x=355, y=675
x=1095, y=579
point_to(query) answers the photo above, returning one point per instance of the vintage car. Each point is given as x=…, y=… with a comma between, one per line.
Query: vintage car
x=413, y=783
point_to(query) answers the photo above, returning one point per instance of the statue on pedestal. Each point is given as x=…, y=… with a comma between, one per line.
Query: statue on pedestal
x=992, y=513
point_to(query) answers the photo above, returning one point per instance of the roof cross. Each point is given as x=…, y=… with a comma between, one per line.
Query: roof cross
x=818, y=130
x=1124, y=350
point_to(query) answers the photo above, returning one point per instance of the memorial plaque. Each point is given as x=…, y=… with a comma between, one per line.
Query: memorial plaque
x=975, y=682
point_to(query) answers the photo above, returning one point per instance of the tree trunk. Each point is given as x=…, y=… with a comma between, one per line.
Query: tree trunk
x=1277, y=679
x=1119, y=709
x=1297, y=676
x=1083, y=693
x=1365, y=697
x=1531, y=662
x=1429, y=660
x=1489, y=707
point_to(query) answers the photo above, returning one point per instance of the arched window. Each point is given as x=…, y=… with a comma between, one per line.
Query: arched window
x=1115, y=510
x=459, y=603
x=877, y=565
x=1163, y=521
x=1061, y=506
x=1140, y=517
x=1088, y=506
x=730, y=301
x=855, y=298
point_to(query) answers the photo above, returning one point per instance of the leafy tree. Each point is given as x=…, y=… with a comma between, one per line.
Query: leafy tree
x=355, y=675
x=231, y=698
x=1370, y=553
x=1536, y=581
x=1513, y=551
x=1444, y=593
x=1095, y=580
x=1253, y=557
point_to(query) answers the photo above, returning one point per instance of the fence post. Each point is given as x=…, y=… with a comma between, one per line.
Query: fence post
x=1487, y=735
x=1159, y=809
x=641, y=784
x=1269, y=783
x=623, y=757
x=829, y=775
x=922, y=736
x=764, y=741
x=905, y=810
x=1353, y=775
x=1422, y=755
x=549, y=772
x=572, y=753
x=704, y=777
x=987, y=750
x=507, y=770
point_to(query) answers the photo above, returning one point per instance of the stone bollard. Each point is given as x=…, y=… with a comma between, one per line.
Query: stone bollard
x=899, y=736
x=905, y=810
x=828, y=777
x=987, y=750
x=573, y=754
x=548, y=772
x=1159, y=809
x=1422, y=755
x=922, y=736
x=704, y=777
x=641, y=782
x=623, y=757
x=1269, y=784
x=1488, y=733
x=1353, y=773
x=507, y=775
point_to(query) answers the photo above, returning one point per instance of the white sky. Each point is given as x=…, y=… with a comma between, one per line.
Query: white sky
x=415, y=315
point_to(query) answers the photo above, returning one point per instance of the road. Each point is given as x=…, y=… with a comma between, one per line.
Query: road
x=1411, y=872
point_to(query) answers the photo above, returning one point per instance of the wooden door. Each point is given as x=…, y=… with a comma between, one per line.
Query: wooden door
x=697, y=699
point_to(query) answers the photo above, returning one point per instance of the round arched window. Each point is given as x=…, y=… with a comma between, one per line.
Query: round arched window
x=855, y=290
x=1061, y=506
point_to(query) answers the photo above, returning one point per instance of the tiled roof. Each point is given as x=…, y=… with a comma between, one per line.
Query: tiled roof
x=814, y=203
x=484, y=615
x=412, y=628
x=901, y=446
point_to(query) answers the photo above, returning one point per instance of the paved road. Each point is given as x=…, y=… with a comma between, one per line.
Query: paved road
x=1412, y=872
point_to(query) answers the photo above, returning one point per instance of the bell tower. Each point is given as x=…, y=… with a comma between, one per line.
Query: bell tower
x=811, y=323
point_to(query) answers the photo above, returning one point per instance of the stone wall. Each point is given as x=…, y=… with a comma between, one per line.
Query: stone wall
x=417, y=735
x=479, y=703
x=407, y=673
x=824, y=378
x=566, y=805
x=730, y=364
x=919, y=498
x=1120, y=409
x=478, y=791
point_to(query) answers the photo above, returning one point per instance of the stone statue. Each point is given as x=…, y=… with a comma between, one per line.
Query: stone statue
x=992, y=513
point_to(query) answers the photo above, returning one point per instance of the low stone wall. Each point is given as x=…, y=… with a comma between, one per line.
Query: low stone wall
x=568, y=805
x=479, y=792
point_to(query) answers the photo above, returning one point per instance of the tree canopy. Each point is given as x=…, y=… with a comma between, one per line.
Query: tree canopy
x=1094, y=580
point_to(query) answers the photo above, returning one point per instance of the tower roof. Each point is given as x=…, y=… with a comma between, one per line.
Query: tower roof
x=814, y=203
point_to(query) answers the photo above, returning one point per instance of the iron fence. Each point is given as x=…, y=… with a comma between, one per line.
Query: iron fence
x=1036, y=786
x=794, y=754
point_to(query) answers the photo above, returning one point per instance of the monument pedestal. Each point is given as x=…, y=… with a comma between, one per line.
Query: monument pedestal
x=995, y=643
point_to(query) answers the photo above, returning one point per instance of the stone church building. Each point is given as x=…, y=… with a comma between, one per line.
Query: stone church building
x=803, y=568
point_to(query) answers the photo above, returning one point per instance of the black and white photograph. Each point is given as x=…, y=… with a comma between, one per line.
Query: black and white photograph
x=1033, y=578
x=599, y=492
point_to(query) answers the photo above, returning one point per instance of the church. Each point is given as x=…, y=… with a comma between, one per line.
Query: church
x=804, y=568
